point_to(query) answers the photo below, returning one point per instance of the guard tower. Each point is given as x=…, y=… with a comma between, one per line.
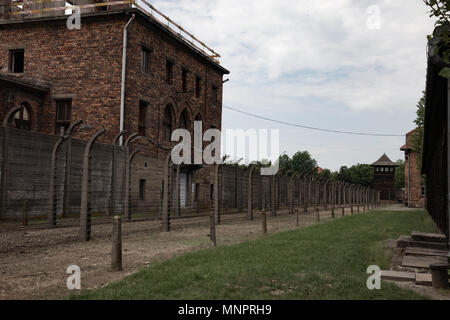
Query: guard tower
x=384, y=177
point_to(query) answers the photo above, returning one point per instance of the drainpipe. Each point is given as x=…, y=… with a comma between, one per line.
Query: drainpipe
x=124, y=63
x=409, y=179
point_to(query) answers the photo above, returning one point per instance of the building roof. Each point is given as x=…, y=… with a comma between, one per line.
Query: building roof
x=407, y=146
x=127, y=12
x=384, y=161
x=35, y=87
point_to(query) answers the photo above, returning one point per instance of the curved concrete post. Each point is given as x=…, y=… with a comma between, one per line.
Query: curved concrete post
x=249, y=193
x=304, y=183
x=165, y=220
x=85, y=214
x=177, y=191
x=292, y=192
x=274, y=197
x=51, y=191
x=112, y=195
x=4, y=168
x=217, y=194
x=10, y=114
x=127, y=211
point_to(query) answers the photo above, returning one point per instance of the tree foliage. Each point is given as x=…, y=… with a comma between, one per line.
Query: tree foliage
x=400, y=174
x=417, y=137
x=301, y=162
x=441, y=37
x=360, y=174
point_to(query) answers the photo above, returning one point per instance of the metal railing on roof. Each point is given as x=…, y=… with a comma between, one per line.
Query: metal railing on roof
x=19, y=9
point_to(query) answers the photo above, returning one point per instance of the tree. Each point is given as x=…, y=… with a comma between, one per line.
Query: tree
x=304, y=163
x=441, y=36
x=301, y=162
x=400, y=175
x=360, y=174
x=326, y=173
x=417, y=137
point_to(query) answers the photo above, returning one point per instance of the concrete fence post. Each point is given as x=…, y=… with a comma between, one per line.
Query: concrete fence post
x=249, y=193
x=85, y=214
x=112, y=190
x=333, y=198
x=165, y=220
x=212, y=225
x=177, y=191
x=264, y=221
x=52, y=182
x=274, y=197
x=127, y=200
x=217, y=201
x=116, y=254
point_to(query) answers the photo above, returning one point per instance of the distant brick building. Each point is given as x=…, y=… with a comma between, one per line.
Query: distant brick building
x=60, y=75
x=414, y=195
x=384, y=177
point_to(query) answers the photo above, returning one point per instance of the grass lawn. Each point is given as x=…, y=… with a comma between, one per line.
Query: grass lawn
x=324, y=261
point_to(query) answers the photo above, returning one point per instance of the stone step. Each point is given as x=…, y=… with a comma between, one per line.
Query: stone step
x=429, y=237
x=397, y=276
x=428, y=245
x=415, y=251
x=422, y=261
x=424, y=279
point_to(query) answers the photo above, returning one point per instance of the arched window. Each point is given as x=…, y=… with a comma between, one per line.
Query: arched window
x=22, y=118
x=184, y=123
x=167, y=123
x=198, y=117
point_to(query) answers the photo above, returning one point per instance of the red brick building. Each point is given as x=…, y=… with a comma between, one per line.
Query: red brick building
x=414, y=195
x=384, y=177
x=60, y=75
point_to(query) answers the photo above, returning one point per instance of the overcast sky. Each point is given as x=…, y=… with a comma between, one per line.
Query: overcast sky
x=329, y=64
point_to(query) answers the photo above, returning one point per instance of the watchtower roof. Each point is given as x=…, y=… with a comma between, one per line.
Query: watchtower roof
x=384, y=161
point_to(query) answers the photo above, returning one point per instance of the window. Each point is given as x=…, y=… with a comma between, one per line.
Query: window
x=142, y=189
x=63, y=115
x=16, y=61
x=146, y=55
x=211, y=192
x=184, y=79
x=169, y=72
x=215, y=95
x=183, y=121
x=423, y=191
x=142, y=129
x=198, y=87
x=22, y=118
x=167, y=124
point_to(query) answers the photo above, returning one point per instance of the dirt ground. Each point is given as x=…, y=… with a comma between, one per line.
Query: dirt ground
x=33, y=261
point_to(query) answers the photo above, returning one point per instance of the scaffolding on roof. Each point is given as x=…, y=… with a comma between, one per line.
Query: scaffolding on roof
x=21, y=9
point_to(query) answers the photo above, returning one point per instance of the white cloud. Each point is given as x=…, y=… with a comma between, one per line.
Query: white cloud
x=287, y=55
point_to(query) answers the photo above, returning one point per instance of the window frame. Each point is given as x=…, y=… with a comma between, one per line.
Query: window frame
x=170, y=64
x=146, y=54
x=142, y=118
x=12, y=60
x=63, y=123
